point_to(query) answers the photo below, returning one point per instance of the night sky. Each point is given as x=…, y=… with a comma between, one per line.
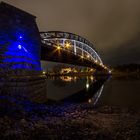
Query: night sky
x=113, y=25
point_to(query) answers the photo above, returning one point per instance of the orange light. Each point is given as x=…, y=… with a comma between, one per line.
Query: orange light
x=58, y=47
x=67, y=44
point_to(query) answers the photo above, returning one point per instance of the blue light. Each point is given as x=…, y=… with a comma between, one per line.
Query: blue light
x=19, y=53
x=20, y=37
x=25, y=49
x=19, y=46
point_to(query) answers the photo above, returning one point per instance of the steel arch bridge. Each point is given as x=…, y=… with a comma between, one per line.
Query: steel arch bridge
x=72, y=43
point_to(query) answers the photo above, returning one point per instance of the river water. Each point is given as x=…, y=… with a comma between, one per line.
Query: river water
x=97, y=91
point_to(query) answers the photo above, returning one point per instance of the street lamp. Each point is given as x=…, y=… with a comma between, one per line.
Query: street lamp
x=88, y=56
x=68, y=45
x=58, y=47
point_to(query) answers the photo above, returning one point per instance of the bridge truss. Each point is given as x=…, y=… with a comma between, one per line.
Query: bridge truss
x=72, y=43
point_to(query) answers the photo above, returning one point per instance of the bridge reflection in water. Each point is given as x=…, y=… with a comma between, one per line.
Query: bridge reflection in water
x=54, y=89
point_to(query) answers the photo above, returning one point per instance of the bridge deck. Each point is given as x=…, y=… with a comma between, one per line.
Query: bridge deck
x=50, y=53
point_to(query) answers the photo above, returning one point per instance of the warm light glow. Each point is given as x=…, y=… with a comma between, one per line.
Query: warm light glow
x=89, y=100
x=44, y=72
x=82, y=57
x=66, y=78
x=91, y=78
x=101, y=64
x=67, y=44
x=58, y=47
x=110, y=71
x=88, y=56
x=75, y=78
x=87, y=85
x=91, y=70
x=74, y=70
x=65, y=70
x=105, y=67
x=96, y=61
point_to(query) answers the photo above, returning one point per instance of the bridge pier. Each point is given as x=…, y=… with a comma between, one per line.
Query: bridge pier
x=19, y=42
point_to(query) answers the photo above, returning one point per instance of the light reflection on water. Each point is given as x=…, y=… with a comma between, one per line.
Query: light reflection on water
x=72, y=89
x=122, y=92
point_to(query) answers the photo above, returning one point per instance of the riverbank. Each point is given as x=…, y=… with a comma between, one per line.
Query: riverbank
x=129, y=75
x=26, y=121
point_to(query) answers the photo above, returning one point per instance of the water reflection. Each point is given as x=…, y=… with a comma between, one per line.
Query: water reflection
x=24, y=89
x=122, y=92
x=97, y=95
x=87, y=85
x=72, y=89
x=68, y=78
x=90, y=93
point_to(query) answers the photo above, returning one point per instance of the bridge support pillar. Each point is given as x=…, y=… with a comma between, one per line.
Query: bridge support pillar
x=20, y=43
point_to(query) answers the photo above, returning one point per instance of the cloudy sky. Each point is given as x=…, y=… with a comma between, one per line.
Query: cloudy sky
x=113, y=25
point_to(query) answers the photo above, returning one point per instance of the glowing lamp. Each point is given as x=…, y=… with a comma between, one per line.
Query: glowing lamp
x=89, y=100
x=110, y=71
x=58, y=47
x=67, y=45
x=20, y=37
x=19, y=46
x=87, y=85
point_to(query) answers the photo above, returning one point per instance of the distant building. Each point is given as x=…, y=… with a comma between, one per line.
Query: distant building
x=19, y=41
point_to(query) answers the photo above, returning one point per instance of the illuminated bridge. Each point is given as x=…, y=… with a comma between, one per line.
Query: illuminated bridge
x=69, y=48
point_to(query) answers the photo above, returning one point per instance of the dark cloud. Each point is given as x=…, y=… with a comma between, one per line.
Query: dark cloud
x=108, y=23
x=128, y=52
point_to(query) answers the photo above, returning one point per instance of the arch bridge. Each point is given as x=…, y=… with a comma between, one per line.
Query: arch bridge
x=72, y=44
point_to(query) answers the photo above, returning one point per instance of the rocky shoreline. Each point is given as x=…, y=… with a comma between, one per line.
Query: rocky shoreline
x=64, y=121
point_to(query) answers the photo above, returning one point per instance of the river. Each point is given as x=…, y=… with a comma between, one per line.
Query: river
x=97, y=91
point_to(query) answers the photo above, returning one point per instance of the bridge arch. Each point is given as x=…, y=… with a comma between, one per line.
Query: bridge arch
x=73, y=43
